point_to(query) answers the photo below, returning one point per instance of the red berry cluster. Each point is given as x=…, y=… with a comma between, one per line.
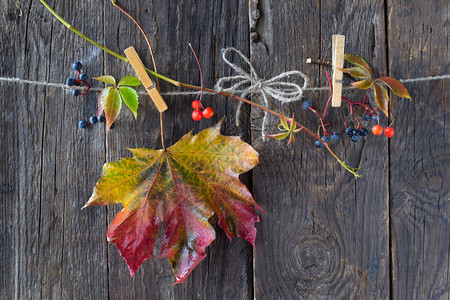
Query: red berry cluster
x=378, y=130
x=199, y=112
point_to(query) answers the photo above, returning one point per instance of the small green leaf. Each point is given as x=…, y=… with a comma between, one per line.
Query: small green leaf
x=293, y=124
x=101, y=99
x=358, y=61
x=283, y=122
x=356, y=72
x=106, y=79
x=130, y=97
x=278, y=136
x=396, y=86
x=112, y=107
x=382, y=98
x=363, y=84
x=291, y=139
x=130, y=81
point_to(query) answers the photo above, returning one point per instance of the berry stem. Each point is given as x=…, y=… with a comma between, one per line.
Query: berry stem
x=201, y=75
x=145, y=37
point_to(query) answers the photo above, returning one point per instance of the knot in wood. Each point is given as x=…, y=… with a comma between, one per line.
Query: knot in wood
x=315, y=258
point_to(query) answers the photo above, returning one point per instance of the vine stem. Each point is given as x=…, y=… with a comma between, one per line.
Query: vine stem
x=194, y=87
x=114, y=2
x=82, y=35
x=153, y=60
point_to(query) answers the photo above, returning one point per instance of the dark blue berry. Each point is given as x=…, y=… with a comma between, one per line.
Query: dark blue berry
x=349, y=131
x=319, y=144
x=70, y=81
x=93, y=119
x=326, y=138
x=306, y=104
x=367, y=117
x=335, y=136
x=83, y=76
x=112, y=126
x=363, y=132
x=82, y=124
x=356, y=138
x=375, y=118
x=77, y=66
x=76, y=93
x=355, y=132
x=101, y=119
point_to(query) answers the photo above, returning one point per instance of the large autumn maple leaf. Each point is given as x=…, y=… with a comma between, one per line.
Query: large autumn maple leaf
x=183, y=186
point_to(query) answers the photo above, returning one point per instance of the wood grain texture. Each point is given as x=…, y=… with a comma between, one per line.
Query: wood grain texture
x=419, y=152
x=325, y=234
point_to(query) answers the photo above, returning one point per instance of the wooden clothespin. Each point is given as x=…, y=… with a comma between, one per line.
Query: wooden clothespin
x=146, y=81
x=338, y=43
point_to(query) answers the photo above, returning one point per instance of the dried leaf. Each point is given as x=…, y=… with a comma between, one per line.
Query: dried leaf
x=396, y=86
x=183, y=186
x=363, y=84
x=107, y=79
x=382, y=98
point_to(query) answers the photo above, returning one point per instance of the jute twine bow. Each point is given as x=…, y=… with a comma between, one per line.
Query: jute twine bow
x=246, y=83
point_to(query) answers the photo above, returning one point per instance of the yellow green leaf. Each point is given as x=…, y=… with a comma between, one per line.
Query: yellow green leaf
x=106, y=79
x=182, y=186
x=356, y=72
x=130, y=97
x=283, y=121
x=360, y=62
x=129, y=81
x=293, y=124
x=363, y=84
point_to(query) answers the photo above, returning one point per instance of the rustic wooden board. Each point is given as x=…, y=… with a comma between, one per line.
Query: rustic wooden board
x=419, y=154
x=325, y=234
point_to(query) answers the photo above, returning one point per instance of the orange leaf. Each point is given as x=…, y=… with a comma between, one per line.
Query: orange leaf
x=396, y=86
x=382, y=98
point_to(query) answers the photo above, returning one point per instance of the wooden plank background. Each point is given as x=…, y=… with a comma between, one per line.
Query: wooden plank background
x=325, y=234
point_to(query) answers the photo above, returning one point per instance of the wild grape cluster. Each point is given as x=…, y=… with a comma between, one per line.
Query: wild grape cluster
x=82, y=79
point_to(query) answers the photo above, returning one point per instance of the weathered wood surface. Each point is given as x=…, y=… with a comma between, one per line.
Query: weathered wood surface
x=325, y=234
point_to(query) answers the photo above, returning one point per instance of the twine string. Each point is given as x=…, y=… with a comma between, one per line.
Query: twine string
x=243, y=84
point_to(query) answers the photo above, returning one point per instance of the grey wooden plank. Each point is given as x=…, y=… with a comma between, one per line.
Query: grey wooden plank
x=419, y=156
x=171, y=25
x=49, y=160
x=70, y=239
x=325, y=234
x=20, y=125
